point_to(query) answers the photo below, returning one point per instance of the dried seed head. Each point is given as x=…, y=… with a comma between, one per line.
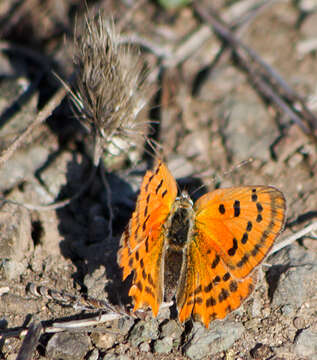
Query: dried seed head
x=110, y=87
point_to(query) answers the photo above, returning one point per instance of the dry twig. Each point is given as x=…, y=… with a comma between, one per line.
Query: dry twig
x=267, y=80
x=289, y=240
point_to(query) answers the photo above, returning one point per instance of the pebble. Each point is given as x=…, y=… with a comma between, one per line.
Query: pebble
x=13, y=269
x=171, y=329
x=94, y=355
x=14, y=304
x=220, y=337
x=246, y=134
x=298, y=284
x=164, y=345
x=145, y=347
x=306, y=344
x=262, y=351
x=124, y=325
x=68, y=346
x=104, y=340
x=16, y=241
x=144, y=331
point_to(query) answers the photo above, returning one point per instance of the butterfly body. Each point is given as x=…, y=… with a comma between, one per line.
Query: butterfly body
x=178, y=230
x=204, y=253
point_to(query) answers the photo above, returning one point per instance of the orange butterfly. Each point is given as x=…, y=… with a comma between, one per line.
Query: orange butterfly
x=219, y=241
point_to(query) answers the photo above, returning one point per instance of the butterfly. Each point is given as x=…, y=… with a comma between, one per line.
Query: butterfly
x=209, y=249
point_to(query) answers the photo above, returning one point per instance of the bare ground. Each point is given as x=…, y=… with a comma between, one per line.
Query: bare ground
x=210, y=119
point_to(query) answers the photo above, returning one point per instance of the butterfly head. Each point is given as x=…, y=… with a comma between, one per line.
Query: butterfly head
x=183, y=200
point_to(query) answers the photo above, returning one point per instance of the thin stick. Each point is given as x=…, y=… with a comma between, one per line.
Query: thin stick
x=41, y=116
x=294, y=237
x=109, y=197
x=71, y=325
x=30, y=341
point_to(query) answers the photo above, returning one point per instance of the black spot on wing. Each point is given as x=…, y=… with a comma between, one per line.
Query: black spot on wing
x=149, y=291
x=233, y=287
x=139, y=286
x=222, y=209
x=159, y=186
x=249, y=226
x=244, y=238
x=234, y=248
x=236, y=207
x=211, y=301
x=226, y=276
x=243, y=260
x=216, y=280
x=259, y=207
x=215, y=262
x=144, y=224
x=150, y=280
x=208, y=287
x=223, y=295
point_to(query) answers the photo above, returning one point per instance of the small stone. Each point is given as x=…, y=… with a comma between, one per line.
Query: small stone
x=309, y=26
x=163, y=346
x=125, y=324
x=306, y=344
x=297, y=285
x=145, y=347
x=144, y=331
x=55, y=176
x=104, y=340
x=307, y=5
x=13, y=269
x=14, y=304
x=262, y=351
x=252, y=324
x=164, y=313
x=16, y=242
x=94, y=355
x=94, y=282
x=219, y=338
x=12, y=356
x=68, y=346
x=246, y=134
x=171, y=329
x=288, y=310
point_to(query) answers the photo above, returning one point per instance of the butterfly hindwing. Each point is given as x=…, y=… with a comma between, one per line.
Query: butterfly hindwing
x=208, y=291
x=142, y=243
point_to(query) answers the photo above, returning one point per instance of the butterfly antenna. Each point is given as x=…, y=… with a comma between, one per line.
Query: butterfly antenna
x=156, y=149
x=238, y=166
x=218, y=178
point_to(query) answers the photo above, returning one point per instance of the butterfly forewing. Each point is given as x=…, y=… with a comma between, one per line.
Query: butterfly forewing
x=142, y=243
x=241, y=224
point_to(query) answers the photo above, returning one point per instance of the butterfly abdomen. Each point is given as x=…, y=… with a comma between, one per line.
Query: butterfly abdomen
x=178, y=229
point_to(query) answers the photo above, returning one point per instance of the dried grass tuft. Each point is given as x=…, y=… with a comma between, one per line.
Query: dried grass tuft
x=111, y=89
